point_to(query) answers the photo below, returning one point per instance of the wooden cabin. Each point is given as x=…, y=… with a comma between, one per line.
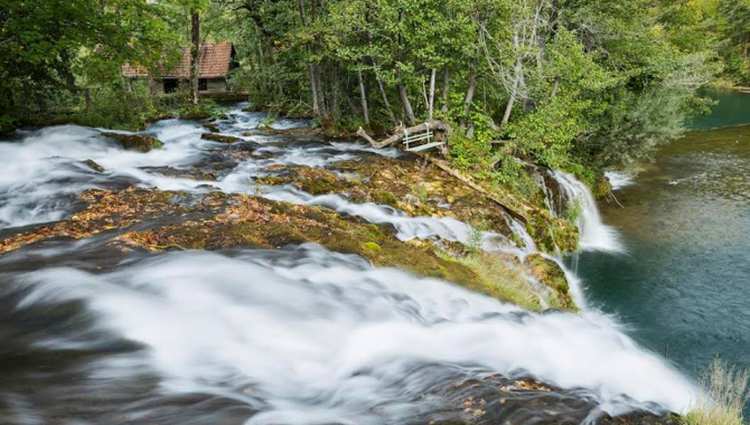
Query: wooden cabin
x=216, y=60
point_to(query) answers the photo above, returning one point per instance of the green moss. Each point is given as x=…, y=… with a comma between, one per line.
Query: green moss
x=385, y=197
x=499, y=278
x=371, y=247
x=135, y=142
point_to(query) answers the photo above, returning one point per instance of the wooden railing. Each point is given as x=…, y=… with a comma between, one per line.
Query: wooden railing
x=420, y=141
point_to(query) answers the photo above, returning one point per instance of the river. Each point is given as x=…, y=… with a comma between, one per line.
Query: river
x=683, y=285
x=95, y=332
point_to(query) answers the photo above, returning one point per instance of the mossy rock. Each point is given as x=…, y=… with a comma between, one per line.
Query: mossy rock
x=221, y=138
x=602, y=187
x=386, y=198
x=552, y=234
x=135, y=142
x=550, y=274
x=213, y=128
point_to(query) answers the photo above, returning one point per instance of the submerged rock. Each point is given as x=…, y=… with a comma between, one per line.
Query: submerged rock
x=93, y=165
x=135, y=142
x=221, y=138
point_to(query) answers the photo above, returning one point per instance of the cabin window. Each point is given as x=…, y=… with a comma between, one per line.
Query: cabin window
x=202, y=84
x=170, y=86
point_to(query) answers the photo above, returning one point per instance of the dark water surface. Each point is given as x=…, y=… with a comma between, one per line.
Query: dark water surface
x=684, y=285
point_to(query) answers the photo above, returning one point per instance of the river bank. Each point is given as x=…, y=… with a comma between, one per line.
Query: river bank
x=279, y=277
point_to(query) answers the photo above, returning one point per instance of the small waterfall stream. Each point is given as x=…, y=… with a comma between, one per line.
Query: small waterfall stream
x=594, y=234
x=299, y=335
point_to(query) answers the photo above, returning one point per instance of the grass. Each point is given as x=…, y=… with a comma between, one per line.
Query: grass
x=497, y=279
x=727, y=392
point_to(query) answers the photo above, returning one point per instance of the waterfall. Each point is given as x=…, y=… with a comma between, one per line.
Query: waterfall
x=307, y=336
x=594, y=234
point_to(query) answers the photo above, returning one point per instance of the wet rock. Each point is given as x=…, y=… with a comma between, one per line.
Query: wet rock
x=192, y=173
x=501, y=400
x=221, y=138
x=104, y=211
x=213, y=128
x=93, y=165
x=135, y=142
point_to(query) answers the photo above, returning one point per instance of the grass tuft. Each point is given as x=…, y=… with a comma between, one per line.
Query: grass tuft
x=727, y=392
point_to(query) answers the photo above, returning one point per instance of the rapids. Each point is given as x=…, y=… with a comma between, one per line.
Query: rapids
x=299, y=335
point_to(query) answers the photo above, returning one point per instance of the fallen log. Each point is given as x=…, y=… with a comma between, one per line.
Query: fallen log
x=443, y=165
x=401, y=132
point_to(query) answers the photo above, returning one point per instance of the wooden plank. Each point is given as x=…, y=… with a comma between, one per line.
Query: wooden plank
x=411, y=139
x=425, y=147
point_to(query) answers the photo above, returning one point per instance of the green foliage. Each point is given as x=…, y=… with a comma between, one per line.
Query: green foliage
x=573, y=212
x=733, y=29
x=546, y=135
x=568, y=84
x=117, y=107
x=52, y=50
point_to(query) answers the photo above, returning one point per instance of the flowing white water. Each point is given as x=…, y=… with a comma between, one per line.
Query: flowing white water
x=619, y=179
x=594, y=234
x=321, y=337
x=49, y=156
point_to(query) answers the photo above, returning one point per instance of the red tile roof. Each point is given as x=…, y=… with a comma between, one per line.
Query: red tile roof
x=215, y=61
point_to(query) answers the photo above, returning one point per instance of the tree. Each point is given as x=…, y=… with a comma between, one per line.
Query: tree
x=56, y=49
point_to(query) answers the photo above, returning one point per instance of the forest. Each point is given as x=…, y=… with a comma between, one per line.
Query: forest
x=571, y=84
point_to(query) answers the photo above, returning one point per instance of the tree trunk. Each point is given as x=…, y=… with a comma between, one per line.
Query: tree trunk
x=513, y=93
x=321, y=94
x=315, y=94
x=87, y=98
x=410, y=118
x=555, y=87
x=386, y=102
x=314, y=90
x=432, y=93
x=446, y=89
x=335, y=89
x=469, y=98
x=195, y=53
x=363, y=96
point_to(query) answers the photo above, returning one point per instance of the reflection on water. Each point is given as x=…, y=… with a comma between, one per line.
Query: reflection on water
x=731, y=109
x=684, y=287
